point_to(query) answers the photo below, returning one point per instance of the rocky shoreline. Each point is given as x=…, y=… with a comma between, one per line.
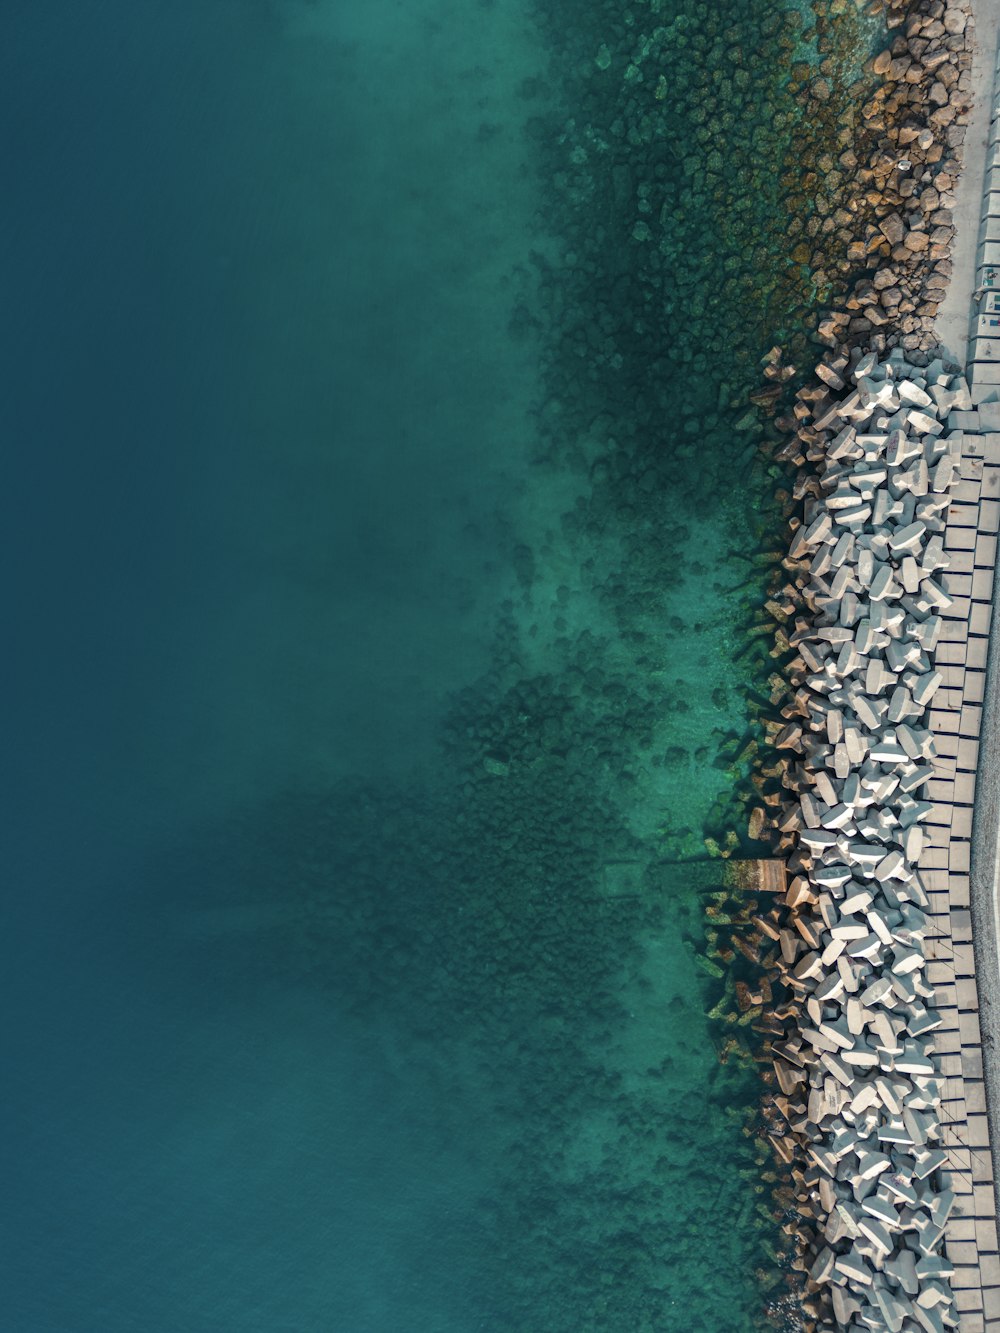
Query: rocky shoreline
x=853, y=1108
x=899, y=224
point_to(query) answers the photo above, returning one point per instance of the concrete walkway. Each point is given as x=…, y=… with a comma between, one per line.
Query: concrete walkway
x=953, y=320
x=963, y=861
x=962, y=973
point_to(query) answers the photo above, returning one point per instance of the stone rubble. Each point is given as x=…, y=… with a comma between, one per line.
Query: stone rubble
x=853, y=1051
x=916, y=121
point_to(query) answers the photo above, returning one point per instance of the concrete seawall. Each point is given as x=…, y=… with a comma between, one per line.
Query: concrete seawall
x=962, y=951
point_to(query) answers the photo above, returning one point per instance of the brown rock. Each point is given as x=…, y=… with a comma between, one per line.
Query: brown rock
x=914, y=24
x=948, y=75
x=938, y=93
x=893, y=228
x=885, y=277
x=881, y=62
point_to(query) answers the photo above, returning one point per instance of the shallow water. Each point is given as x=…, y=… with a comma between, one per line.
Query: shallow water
x=378, y=523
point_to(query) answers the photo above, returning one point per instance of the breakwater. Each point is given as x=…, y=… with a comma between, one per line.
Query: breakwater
x=856, y=1074
x=860, y=1032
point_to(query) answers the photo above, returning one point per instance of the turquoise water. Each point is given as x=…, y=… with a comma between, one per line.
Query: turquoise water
x=382, y=507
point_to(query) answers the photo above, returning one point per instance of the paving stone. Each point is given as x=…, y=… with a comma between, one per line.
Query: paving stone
x=985, y=551
x=969, y=488
x=980, y=618
x=982, y=584
x=968, y=754
x=977, y=652
x=952, y=654
x=982, y=1165
x=960, y=539
x=962, y=1251
x=963, y=515
x=966, y=1284
x=975, y=684
x=963, y=785
x=973, y=469
x=943, y=720
x=958, y=888
x=978, y=1135
x=940, y=970
x=961, y=820
x=947, y=751
x=964, y=958
x=958, y=860
x=953, y=631
x=961, y=925
x=975, y=1096
x=962, y=562
x=972, y=1062
x=961, y=606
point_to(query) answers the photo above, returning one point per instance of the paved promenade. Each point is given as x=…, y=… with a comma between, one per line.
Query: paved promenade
x=962, y=864
x=971, y=539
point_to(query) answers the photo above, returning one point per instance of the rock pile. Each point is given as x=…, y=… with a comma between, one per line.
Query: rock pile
x=853, y=1048
x=904, y=193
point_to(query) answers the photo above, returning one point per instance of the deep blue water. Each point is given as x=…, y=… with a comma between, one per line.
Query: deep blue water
x=222, y=574
x=358, y=739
